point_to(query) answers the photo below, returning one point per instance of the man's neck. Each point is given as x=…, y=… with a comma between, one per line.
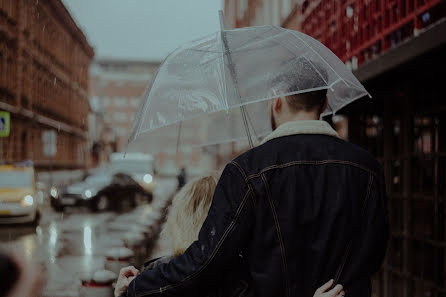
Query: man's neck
x=301, y=116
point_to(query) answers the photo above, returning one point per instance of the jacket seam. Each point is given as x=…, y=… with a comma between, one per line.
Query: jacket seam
x=209, y=260
x=293, y=163
x=350, y=244
x=279, y=235
x=242, y=172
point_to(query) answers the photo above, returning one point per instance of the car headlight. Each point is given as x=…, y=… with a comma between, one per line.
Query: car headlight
x=28, y=200
x=54, y=193
x=88, y=194
x=148, y=178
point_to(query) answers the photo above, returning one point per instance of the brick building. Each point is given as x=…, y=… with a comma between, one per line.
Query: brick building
x=44, y=60
x=116, y=87
x=395, y=48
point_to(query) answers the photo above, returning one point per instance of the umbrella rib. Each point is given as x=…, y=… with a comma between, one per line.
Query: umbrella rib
x=202, y=51
x=144, y=107
x=224, y=74
x=242, y=107
x=148, y=89
x=253, y=129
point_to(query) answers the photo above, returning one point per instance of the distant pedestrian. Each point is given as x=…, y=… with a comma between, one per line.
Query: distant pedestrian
x=181, y=178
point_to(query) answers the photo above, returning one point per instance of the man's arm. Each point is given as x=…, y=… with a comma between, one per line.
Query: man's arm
x=224, y=233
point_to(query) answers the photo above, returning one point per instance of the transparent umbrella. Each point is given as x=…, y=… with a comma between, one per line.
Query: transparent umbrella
x=215, y=89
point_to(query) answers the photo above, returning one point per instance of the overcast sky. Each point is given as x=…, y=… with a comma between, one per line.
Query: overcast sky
x=143, y=29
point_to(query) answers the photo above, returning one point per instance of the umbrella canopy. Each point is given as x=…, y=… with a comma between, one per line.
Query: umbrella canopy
x=195, y=98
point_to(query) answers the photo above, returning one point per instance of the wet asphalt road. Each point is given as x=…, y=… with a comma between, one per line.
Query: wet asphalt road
x=66, y=245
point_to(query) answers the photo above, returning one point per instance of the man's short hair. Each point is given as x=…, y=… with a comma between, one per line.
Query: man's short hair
x=300, y=75
x=308, y=101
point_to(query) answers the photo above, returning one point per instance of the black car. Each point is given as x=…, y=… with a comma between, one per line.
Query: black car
x=101, y=192
x=122, y=193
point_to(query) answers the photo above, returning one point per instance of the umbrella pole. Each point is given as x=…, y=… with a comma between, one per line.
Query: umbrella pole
x=234, y=77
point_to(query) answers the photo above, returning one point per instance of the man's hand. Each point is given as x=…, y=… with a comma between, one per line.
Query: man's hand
x=325, y=291
x=126, y=275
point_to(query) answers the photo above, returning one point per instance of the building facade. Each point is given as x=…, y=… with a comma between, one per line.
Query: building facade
x=44, y=60
x=116, y=92
x=395, y=48
x=116, y=89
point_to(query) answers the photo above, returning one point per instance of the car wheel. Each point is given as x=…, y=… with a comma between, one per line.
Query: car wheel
x=102, y=203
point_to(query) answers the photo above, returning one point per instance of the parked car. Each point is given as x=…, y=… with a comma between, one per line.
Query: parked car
x=101, y=191
x=83, y=193
x=18, y=194
x=121, y=194
x=138, y=166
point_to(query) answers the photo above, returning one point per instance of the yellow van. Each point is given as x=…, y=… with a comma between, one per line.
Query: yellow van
x=18, y=195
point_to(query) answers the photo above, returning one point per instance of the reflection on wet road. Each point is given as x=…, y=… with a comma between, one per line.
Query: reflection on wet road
x=75, y=244
x=67, y=246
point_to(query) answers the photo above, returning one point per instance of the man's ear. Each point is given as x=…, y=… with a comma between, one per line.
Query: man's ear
x=277, y=104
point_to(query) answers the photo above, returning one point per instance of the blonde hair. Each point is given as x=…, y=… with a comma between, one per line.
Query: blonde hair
x=188, y=211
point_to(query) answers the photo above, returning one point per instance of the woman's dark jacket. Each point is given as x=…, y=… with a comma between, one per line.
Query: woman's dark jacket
x=302, y=208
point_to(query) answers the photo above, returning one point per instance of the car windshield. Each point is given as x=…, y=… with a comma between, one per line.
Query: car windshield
x=16, y=179
x=98, y=179
x=131, y=166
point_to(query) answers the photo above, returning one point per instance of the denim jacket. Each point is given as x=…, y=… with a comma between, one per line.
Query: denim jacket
x=303, y=207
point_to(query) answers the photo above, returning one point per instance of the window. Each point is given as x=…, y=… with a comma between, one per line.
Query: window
x=120, y=101
x=135, y=102
x=242, y=6
x=286, y=8
x=120, y=117
x=276, y=16
x=121, y=131
x=105, y=101
x=267, y=12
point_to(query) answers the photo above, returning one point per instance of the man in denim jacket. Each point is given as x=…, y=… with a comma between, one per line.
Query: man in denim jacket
x=302, y=207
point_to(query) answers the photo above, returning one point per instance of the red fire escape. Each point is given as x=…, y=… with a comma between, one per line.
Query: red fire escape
x=357, y=31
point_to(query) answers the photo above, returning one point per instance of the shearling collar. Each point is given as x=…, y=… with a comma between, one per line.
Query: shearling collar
x=302, y=127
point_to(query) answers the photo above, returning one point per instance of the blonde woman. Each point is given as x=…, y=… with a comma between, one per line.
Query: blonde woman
x=187, y=214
